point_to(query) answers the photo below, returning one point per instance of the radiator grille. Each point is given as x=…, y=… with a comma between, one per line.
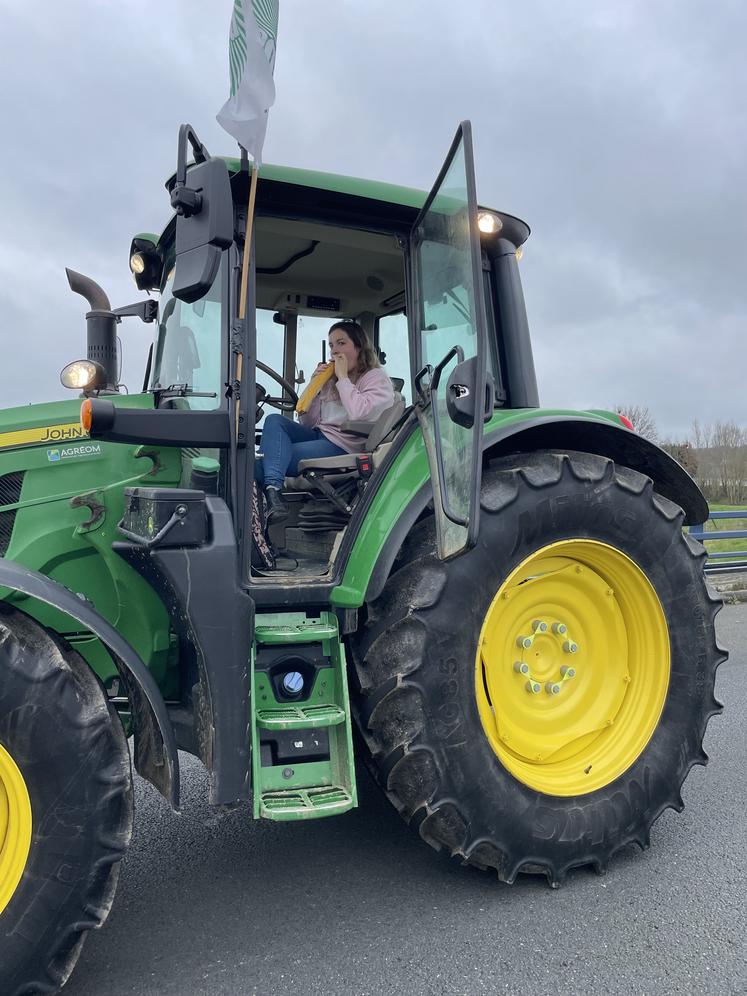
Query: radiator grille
x=10, y=487
x=10, y=493
x=6, y=530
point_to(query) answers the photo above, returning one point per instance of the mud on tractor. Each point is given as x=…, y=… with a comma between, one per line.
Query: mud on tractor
x=494, y=605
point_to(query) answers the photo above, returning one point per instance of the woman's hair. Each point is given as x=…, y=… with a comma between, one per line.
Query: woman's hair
x=367, y=358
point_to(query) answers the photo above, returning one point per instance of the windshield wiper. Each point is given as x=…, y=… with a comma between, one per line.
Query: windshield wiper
x=181, y=391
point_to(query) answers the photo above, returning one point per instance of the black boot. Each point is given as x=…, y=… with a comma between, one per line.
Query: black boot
x=277, y=508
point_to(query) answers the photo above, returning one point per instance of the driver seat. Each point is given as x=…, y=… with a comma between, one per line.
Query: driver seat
x=325, y=474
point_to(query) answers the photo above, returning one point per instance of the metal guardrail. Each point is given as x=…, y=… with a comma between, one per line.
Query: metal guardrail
x=723, y=561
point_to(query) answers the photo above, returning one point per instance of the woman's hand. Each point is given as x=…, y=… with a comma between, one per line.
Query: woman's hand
x=341, y=366
x=320, y=368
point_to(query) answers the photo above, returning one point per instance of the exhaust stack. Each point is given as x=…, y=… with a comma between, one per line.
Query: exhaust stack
x=101, y=327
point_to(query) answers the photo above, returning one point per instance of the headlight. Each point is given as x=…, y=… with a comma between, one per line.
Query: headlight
x=146, y=264
x=83, y=375
x=489, y=223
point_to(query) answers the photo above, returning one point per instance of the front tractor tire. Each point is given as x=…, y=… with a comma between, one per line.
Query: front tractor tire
x=65, y=806
x=535, y=704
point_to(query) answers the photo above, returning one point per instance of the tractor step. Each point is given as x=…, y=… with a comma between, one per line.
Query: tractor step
x=302, y=746
x=300, y=717
x=305, y=804
x=300, y=630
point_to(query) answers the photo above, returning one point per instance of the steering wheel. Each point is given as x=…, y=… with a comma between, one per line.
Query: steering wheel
x=288, y=400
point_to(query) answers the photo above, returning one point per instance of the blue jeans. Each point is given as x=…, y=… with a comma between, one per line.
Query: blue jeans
x=284, y=443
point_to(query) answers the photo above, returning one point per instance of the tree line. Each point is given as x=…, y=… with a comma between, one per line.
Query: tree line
x=714, y=455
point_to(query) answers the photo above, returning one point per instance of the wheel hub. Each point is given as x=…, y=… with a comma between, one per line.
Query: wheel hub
x=15, y=826
x=538, y=657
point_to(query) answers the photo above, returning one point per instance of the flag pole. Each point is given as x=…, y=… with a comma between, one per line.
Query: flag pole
x=245, y=263
x=248, y=237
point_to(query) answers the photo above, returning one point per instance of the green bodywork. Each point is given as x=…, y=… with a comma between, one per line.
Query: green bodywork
x=405, y=478
x=66, y=521
x=70, y=504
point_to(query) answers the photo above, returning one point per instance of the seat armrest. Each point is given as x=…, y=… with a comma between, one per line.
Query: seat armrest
x=357, y=427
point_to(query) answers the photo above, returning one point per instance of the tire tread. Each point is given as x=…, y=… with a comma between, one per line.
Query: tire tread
x=416, y=788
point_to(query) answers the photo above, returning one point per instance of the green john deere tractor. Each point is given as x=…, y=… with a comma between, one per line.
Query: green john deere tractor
x=495, y=604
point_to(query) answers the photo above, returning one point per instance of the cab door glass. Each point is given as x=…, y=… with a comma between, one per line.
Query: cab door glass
x=449, y=325
x=394, y=344
x=312, y=341
x=271, y=351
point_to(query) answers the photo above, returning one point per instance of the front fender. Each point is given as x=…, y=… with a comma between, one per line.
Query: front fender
x=600, y=436
x=156, y=757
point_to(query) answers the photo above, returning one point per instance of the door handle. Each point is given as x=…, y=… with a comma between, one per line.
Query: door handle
x=461, y=393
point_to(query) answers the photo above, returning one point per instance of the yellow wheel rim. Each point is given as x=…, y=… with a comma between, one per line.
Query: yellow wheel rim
x=15, y=826
x=572, y=667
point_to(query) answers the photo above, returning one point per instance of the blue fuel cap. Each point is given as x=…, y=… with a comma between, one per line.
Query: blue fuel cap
x=292, y=683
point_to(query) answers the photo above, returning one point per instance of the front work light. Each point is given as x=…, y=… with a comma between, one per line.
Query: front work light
x=83, y=375
x=146, y=263
x=137, y=263
x=489, y=223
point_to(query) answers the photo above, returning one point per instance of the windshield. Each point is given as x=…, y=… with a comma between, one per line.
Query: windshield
x=187, y=352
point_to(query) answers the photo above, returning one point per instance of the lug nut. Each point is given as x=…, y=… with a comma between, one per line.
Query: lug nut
x=534, y=687
x=568, y=672
x=560, y=629
x=539, y=626
x=570, y=647
x=551, y=688
x=521, y=668
x=524, y=642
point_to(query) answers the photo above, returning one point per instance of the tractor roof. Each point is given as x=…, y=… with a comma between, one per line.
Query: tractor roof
x=408, y=198
x=371, y=189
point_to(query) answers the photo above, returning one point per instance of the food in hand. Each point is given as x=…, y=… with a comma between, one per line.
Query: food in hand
x=316, y=383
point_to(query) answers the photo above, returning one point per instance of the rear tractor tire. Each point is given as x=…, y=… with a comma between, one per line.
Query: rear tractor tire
x=536, y=703
x=65, y=806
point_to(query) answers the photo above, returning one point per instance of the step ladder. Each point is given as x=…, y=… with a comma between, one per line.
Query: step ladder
x=302, y=748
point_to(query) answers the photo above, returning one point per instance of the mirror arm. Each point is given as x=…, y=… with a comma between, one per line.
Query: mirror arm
x=184, y=200
x=146, y=310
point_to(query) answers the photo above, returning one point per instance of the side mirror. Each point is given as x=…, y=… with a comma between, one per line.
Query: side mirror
x=204, y=222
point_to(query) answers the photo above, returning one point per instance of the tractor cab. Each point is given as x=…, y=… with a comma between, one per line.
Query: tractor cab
x=327, y=248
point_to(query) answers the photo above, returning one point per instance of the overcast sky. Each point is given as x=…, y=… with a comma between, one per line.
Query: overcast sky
x=617, y=130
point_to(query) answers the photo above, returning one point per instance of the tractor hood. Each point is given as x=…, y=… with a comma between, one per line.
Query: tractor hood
x=51, y=423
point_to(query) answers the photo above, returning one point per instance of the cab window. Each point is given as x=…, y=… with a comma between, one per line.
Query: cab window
x=188, y=349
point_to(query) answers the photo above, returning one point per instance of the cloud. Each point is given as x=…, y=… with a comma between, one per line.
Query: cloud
x=617, y=131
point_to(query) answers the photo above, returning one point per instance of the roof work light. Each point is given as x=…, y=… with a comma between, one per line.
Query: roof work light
x=146, y=264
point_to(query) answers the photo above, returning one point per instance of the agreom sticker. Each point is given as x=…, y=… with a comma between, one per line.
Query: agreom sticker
x=69, y=452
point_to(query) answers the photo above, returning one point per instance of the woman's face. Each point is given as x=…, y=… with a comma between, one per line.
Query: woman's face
x=340, y=344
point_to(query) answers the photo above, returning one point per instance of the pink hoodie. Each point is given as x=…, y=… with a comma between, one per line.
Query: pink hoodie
x=363, y=401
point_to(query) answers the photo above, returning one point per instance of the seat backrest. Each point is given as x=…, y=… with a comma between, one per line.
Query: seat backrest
x=384, y=423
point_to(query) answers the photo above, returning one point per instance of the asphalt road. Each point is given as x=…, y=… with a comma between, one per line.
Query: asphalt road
x=358, y=905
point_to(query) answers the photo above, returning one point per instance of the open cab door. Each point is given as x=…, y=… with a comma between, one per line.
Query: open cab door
x=448, y=328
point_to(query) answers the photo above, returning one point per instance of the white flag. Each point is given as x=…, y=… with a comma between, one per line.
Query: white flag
x=251, y=59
